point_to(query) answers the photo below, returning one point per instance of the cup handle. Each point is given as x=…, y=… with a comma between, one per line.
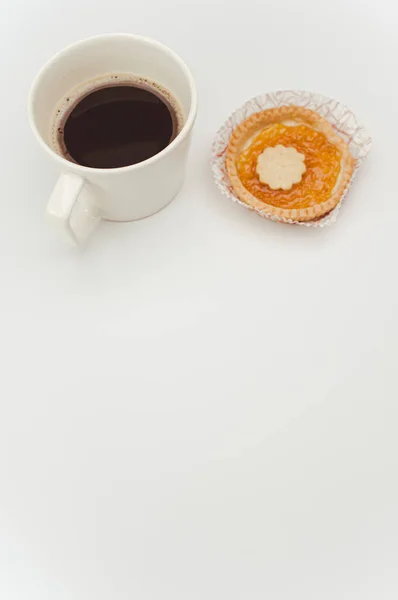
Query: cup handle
x=72, y=208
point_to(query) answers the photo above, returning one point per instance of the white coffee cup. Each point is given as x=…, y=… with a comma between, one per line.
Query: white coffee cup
x=82, y=195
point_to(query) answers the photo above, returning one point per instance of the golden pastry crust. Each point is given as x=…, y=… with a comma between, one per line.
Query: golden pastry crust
x=257, y=122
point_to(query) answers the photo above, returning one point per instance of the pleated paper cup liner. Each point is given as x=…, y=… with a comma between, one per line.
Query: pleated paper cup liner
x=342, y=119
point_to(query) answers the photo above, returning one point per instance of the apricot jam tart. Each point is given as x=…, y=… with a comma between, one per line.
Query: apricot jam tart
x=289, y=162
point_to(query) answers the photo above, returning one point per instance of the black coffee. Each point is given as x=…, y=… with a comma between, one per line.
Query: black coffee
x=116, y=126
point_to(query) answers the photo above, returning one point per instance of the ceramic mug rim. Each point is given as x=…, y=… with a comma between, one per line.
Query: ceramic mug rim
x=83, y=169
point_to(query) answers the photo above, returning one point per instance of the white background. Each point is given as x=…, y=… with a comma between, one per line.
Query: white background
x=203, y=404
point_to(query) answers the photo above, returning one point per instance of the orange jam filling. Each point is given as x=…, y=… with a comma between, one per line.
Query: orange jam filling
x=322, y=162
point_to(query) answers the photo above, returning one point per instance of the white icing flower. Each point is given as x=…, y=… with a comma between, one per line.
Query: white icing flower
x=280, y=167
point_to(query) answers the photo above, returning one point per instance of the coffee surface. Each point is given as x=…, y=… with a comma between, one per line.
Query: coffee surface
x=117, y=126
